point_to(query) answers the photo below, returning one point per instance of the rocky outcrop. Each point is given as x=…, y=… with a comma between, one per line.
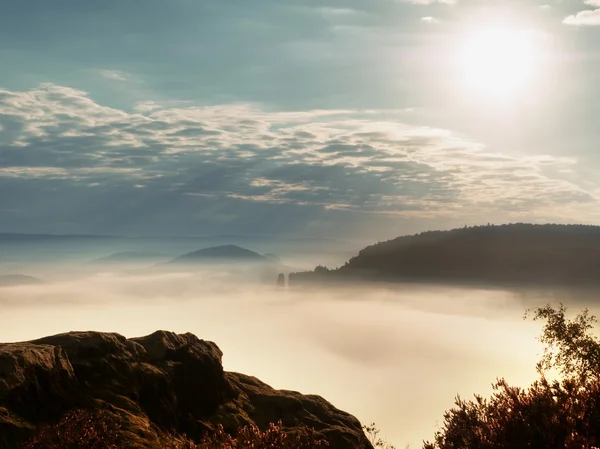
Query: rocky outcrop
x=281, y=280
x=37, y=382
x=261, y=405
x=163, y=382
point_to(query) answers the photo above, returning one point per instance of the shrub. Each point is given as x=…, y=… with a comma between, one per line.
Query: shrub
x=549, y=414
x=372, y=433
x=82, y=429
x=78, y=429
x=251, y=437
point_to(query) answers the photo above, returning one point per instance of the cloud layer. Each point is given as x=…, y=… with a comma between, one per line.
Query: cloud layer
x=589, y=17
x=61, y=150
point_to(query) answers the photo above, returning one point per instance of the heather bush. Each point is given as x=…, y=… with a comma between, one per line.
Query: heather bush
x=78, y=429
x=372, y=433
x=251, y=437
x=562, y=413
x=81, y=429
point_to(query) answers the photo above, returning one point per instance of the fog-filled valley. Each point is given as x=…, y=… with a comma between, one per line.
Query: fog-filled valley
x=55, y=255
x=299, y=224
x=395, y=355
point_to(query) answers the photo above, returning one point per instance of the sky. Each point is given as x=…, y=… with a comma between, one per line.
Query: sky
x=328, y=118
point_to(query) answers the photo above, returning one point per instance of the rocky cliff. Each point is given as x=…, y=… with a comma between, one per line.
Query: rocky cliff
x=163, y=382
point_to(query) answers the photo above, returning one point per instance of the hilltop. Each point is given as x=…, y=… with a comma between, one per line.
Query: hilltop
x=521, y=254
x=224, y=253
x=11, y=280
x=129, y=257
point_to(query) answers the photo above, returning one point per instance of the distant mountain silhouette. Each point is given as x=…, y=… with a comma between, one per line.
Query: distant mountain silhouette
x=524, y=254
x=44, y=238
x=11, y=280
x=272, y=257
x=225, y=253
x=129, y=256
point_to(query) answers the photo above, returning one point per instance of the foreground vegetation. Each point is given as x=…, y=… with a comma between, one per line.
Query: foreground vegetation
x=562, y=413
x=82, y=429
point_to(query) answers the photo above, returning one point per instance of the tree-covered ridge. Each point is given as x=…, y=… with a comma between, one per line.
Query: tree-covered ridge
x=506, y=230
x=515, y=253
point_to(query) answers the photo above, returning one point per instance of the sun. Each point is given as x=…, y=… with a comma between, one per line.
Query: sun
x=498, y=62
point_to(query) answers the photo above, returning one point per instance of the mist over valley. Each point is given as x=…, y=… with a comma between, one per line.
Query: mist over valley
x=388, y=352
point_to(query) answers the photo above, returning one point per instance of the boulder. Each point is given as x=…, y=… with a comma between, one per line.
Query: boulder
x=262, y=404
x=37, y=383
x=157, y=384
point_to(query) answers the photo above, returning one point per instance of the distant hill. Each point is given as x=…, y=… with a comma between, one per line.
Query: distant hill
x=272, y=257
x=11, y=280
x=523, y=254
x=225, y=253
x=45, y=238
x=130, y=256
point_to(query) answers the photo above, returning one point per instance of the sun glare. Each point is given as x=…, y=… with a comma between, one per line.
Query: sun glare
x=499, y=62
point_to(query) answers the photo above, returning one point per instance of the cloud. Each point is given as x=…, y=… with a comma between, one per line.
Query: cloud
x=114, y=75
x=430, y=2
x=584, y=18
x=429, y=19
x=64, y=148
x=590, y=17
x=329, y=11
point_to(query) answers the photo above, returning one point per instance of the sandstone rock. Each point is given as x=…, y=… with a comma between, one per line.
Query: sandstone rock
x=31, y=375
x=262, y=404
x=12, y=429
x=281, y=280
x=164, y=382
x=37, y=382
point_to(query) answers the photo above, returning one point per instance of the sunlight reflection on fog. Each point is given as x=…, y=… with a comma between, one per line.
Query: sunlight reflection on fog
x=395, y=357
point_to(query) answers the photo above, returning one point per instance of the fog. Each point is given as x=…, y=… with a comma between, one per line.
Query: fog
x=393, y=356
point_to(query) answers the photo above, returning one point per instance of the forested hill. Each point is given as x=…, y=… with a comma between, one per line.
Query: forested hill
x=516, y=253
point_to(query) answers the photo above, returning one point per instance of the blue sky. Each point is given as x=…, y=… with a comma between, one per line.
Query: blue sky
x=318, y=118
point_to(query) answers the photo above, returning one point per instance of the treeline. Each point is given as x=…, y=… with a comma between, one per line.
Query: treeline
x=515, y=253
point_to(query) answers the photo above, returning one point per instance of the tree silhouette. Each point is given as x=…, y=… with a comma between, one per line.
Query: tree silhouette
x=549, y=414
